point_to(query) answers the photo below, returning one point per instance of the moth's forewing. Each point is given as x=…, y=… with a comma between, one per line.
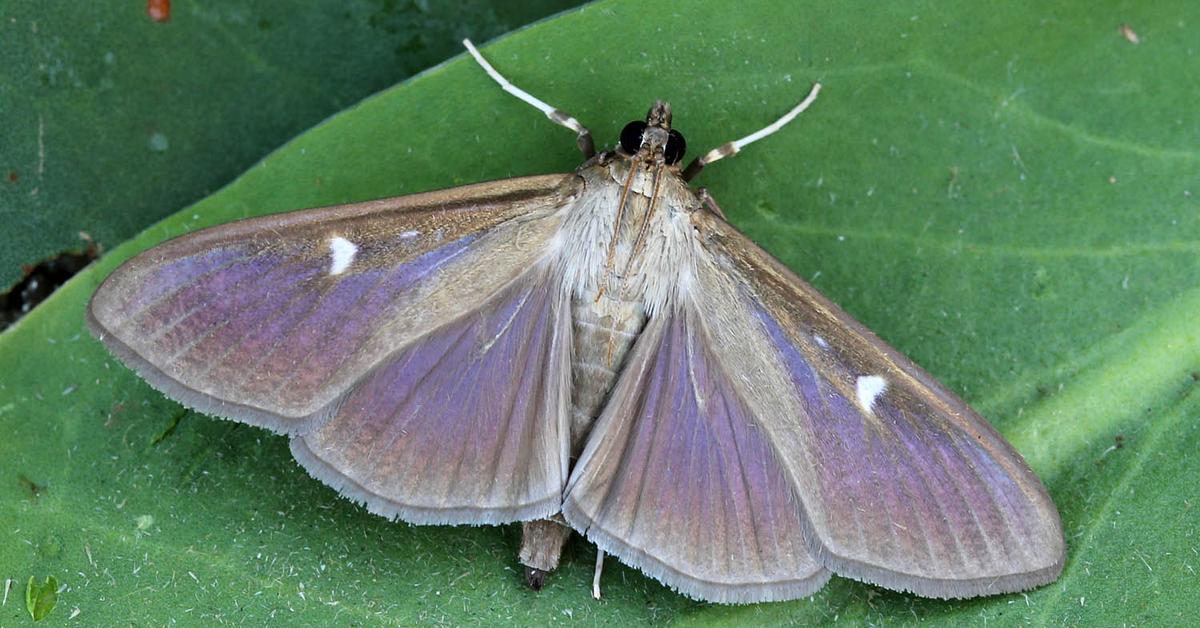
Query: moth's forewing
x=678, y=481
x=467, y=423
x=270, y=320
x=421, y=337
x=901, y=483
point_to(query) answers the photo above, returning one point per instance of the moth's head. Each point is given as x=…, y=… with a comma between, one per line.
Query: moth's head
x=654, y=141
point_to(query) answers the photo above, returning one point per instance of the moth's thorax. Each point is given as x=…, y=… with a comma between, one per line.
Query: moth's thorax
x=599, y=255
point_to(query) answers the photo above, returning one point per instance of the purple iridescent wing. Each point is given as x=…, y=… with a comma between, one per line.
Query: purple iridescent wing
x=901, y=483
x=465, y=425
x=272, y=320
x=416, y=347
x=678, y=480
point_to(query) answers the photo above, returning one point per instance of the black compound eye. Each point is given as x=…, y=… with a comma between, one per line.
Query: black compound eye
x=631, y=136
x=675, y=148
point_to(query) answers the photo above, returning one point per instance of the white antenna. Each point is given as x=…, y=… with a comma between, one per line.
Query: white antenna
x=559, y=117
x=732, y=148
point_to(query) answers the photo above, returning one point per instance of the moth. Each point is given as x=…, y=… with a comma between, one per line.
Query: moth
x=598, y=352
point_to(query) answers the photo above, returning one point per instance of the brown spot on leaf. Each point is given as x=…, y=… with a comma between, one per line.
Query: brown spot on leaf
x=35, y=489
x=159, y=10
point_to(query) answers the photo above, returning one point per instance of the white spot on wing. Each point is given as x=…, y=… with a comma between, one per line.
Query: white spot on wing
x=869, y=387
x=820, y=342
x=408, y=235
x=342, y=252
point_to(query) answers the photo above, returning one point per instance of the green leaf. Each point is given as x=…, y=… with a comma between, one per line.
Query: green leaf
x=40, y=599
x=1011, y=196
x=113, y=121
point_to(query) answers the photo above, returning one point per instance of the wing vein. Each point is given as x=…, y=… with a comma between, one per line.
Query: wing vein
x=696, y=488
x=181, y=287
x=342, y=317
x=213, y=328
x=956, y=485
x=855, y=507
x=256, y=367
x=909, y=498
x=653, y=444
x=527, y=357
x=988, y=490
x=755, y=527
x=454, y=419
x=927, y=484
x=261, y=298
x=396, y=427
x=267, y=318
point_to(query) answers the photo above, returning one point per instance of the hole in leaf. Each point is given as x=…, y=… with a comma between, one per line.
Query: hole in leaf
x=42, y=279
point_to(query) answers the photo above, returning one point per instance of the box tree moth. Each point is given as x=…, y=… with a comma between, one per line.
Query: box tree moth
x=598, y=351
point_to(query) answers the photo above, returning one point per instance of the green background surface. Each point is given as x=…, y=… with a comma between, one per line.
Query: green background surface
x=113, y=121
x=1011, y=196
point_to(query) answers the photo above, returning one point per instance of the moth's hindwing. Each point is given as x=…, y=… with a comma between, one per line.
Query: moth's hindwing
x=678, y=481
x=291, y=321
x=467, y=423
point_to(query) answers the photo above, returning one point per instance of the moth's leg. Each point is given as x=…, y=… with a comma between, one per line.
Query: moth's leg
x=599, y=570
x=732, y=148
x=583, y=137
x=542, y=543
x=710, y=203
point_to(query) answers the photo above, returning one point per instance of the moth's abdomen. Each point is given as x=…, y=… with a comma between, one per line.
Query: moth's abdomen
x=604, y=331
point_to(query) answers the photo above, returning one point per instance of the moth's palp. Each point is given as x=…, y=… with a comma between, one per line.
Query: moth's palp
x=583, y=135
x=732, y=148
x=640, y=241
x=612, y=245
